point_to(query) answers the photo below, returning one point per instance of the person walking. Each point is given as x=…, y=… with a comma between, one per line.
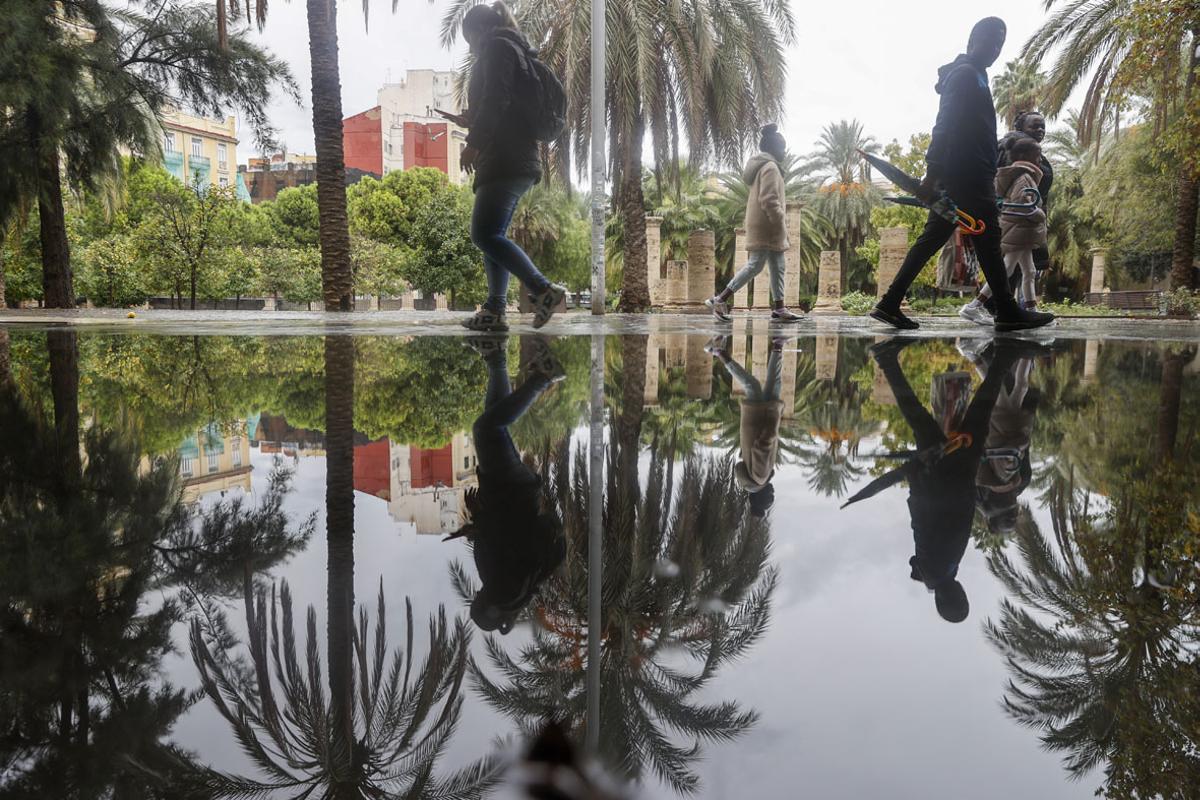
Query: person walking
x=766, y=228
x=962, y=160
x=762, y=412
x=1033, y=125
x=1022, y=231
x=502, y=151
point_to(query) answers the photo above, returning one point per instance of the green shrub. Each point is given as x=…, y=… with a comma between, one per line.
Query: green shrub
x=1182, y=302
x=857, y=303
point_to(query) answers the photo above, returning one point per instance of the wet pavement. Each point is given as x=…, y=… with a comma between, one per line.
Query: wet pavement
x=240, y=557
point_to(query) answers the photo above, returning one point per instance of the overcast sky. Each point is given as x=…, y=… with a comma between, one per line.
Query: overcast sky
x=875, y=60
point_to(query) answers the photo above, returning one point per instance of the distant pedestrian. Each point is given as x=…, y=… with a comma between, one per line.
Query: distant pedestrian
x=1022, y=231
x=766, y=227
x=962, y=160
x=1033, y=125
x=502, y=151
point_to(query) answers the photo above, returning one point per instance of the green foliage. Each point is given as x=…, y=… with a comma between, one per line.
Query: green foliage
x=893, y=216
x=21, y=262
x=1183, y=302
x=293, y=216
x=1020, y=87
x=442, y=257
x=377, y=267
x=110, y=272
x=554, y=230
x=389, y=210
x=857, y=303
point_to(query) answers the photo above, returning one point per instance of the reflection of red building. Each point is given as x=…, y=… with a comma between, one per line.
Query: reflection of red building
x=431, y=467
x=372, y=473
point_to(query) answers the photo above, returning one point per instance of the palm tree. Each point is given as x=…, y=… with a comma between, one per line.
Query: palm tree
x=846, y=196
x=90, y=80
x=834, y=425
x=705, y=74
x=1019, y=88
x=685, y=572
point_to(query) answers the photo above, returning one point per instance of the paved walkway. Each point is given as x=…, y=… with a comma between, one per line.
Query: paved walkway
x=576, y=323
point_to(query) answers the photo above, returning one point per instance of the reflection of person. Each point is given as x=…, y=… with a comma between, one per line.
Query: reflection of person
x=502, y=150
x=941, y=476
x=766, y=227
x=1021, y=232
x=962, y=159
x=1005, y=470
x=762, y=411
x=515, y=533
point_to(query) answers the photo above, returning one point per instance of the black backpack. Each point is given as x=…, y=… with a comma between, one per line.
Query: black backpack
x=545, y=102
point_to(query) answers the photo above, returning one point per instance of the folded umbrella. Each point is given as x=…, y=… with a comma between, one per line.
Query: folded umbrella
x=943, y=206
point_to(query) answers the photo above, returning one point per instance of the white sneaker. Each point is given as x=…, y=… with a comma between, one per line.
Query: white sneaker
x=977, y=314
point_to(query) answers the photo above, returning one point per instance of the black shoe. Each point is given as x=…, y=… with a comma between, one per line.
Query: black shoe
x=486, y=321
x=889, y=347
x=785, y=316
x=894, y=318
x=1022, y=320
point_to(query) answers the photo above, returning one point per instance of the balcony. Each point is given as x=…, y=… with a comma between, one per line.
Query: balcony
x=199, y=162
x=173, y=163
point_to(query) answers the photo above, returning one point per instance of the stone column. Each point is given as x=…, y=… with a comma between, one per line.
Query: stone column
x=738, y=354
x=1099, y=262
x=827, y=354
x=650, y=396
x=699, y=369
x=881, y=390
x=741, y=298
x=676, y=350
x=702, y=267
x=1091, y=359
x=759, y=343
x=440, y=302
x=792, y=270
x=893, y=246
x=787, y=392
x=407, y=300
x=268, y=302
x=654, y=259
x=373, y=302
x=829, y=285
x=677, y=283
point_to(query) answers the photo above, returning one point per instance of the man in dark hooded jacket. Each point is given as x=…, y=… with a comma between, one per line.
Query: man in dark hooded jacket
x=962, y=160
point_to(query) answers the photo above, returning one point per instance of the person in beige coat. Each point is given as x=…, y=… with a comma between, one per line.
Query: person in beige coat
x=766, y=229
x=762, y=411
x=1021, y=230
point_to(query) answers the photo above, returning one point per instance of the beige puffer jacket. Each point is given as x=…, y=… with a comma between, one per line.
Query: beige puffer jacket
x=1020, y=233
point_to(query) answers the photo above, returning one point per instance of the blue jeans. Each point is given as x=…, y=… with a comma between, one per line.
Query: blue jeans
x=495, y=203
x=755, y=262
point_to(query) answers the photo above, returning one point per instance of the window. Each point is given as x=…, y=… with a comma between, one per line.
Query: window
x=187, y=467
x=223, y=182
x=197, y=146
x=222, y=156
x=236, y=446
x=214, y=461
x=168, y=142
x=466, y=462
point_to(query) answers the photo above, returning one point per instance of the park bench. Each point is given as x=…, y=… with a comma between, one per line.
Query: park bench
x=1143, y=300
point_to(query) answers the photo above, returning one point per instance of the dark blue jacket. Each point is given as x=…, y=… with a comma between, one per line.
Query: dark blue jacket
x=499, y=128
x=963, y=149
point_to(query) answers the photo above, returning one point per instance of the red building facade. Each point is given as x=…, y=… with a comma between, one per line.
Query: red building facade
x=362, y=141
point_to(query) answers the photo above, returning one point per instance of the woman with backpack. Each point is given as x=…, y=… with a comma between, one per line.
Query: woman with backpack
x=502, y=151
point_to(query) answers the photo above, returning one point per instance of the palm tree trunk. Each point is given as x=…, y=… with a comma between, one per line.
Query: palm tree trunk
x=336, y=278
x=1182, y=260
x=633, y=398
x=64, y=388
x=52, y=220
x=1170, y=394
x=339, y=537
x=635, y=287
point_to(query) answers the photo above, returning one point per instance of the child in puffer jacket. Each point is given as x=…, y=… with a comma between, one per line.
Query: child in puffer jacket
x=1022, y=231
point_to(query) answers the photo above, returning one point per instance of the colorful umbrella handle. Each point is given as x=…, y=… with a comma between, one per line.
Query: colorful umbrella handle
x=968, y=224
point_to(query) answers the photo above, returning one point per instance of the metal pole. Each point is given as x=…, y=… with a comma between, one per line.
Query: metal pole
x=599, y=162
x=595, y=542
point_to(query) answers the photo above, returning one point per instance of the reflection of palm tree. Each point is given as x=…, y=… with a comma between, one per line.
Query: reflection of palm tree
x=1103, y=667
x=80, y=656
x=833, y=416
x=377, y=735
x=276, y=706
x=684, y=573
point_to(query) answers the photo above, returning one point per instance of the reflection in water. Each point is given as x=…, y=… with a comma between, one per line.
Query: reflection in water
x=662, y=638
x=514, y=531
x=114, y=549
x=954, y=456
x=378, y=735
x=1102, y=631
